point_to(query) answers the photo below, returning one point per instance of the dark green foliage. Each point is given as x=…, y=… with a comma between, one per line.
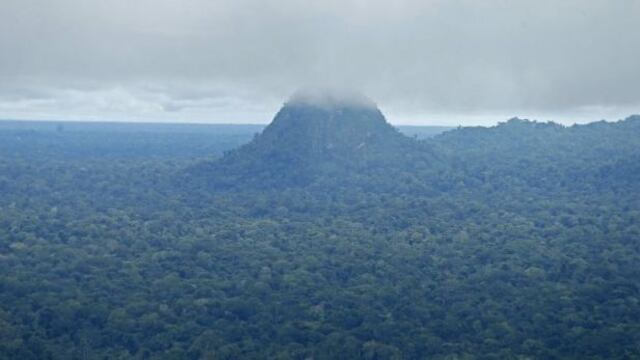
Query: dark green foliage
x=516, y=241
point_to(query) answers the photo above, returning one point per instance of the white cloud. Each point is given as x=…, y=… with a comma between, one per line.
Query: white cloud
x=227, y=61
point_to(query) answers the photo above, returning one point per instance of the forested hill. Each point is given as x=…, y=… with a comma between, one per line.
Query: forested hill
x=345, y=145
x=518, y=241
x=308, y=142
x=546, y=156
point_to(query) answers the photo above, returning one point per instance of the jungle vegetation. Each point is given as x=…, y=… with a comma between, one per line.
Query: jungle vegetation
x=318, y=239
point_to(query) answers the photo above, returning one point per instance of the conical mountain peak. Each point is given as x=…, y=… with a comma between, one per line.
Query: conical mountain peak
x=314, y=134
x=327, y=125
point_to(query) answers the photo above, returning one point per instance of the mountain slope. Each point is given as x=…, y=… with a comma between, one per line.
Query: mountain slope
x=311, y=139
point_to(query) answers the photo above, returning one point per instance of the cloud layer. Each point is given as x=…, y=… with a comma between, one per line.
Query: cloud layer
x=455, y=61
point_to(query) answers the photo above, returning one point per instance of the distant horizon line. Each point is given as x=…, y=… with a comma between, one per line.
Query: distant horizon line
x=151, y=122
x=173, y=122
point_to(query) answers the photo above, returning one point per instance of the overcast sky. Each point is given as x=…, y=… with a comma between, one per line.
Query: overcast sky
x=236, y=61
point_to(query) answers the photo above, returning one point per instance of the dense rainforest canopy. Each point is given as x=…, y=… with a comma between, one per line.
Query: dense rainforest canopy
x=330, y=235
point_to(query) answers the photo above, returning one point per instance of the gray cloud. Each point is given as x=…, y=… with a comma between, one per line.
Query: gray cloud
x=455, y=61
